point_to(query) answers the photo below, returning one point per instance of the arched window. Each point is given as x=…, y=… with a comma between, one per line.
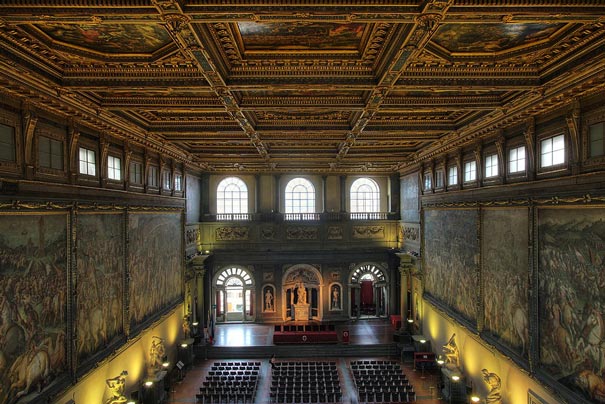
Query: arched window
x=231, y=196
x=300, y=196
x=365, y=196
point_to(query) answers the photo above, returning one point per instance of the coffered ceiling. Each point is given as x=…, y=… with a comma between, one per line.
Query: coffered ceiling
x=301, y=86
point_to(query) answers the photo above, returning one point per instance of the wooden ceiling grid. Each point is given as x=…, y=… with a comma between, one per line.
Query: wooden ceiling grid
x=301, y=86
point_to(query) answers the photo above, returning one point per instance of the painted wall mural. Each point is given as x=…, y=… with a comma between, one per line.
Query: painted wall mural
x=100, y=281
x=33, y=301
x=506, y=277
x=572, y=298
x=155, y=262
x=451, y=251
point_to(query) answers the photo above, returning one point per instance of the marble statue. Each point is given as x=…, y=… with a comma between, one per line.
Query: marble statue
x=452, y=354
x=302, y=293
x=116, y=387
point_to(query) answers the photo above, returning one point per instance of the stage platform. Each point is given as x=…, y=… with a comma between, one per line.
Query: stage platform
x=361, y=332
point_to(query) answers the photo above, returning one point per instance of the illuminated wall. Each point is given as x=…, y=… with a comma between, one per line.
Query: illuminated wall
x=133, y=358
x=476, y=355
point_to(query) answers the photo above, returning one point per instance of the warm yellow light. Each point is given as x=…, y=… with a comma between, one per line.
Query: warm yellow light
x=165, y=364
x=131, y=402
x=183, y=345
x=207, y=252
x=455, y=378
x=475, y=399
x=195, y=323
x=440, y=361
x=148, y=383
x=410, y=320
x=422, y=341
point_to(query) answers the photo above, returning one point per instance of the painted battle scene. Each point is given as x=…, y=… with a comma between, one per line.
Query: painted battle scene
x=110, y=38
x=155, y=263
x=506, y=277
x=451, y=253
x=33, y=300
x=572, y=298
x=100, y=282
x=491, y=37
x=308, y=36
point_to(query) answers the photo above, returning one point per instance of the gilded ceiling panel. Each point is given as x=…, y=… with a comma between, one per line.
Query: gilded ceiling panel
x=110, y=38
x=302, y=35
x=489, y=38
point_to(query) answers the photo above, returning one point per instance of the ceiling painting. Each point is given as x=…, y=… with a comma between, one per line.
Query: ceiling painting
x=486, y=38
x=111, y=38
x=307, y=36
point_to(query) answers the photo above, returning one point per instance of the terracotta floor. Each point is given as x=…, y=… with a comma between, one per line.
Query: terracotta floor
x=361, y=332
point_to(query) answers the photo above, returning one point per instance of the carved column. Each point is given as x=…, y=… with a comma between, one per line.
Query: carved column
x=277, y=192
x=324, y=187
x=405, y=268
x=343, y=193
x=257, y=193
x=198, y=311
x=530, y=142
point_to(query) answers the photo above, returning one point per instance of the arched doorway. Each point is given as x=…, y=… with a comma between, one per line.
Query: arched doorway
x=368, y=284
x=302, y=283
x=234, y=295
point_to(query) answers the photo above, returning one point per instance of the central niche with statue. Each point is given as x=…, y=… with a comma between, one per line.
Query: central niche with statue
x=302, y=290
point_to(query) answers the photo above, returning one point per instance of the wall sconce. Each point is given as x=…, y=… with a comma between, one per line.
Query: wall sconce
x=183, y=345
x=148, y=383
x=475, y=399
x=165, y=364
x=455, y=378
x=410, y=320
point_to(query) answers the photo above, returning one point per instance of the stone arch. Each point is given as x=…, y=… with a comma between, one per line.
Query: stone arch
x=311, y=279
x=374, y=301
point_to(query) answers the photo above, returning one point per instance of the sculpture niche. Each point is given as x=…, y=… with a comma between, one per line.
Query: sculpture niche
x=301, y=307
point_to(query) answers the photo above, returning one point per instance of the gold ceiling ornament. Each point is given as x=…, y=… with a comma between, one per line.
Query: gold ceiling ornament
x=176, y=22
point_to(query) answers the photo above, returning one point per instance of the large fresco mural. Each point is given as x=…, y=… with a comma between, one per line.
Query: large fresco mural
x=308, y=36
x=506, y=277
x=572, y=298
x=451, y=252
x=491, y=37
x=100, y=281
x=33, y=301
x=110, y=38
x=155, y=263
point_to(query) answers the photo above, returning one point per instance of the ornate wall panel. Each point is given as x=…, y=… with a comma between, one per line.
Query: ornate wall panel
x=571, y=243
x=451, y=256
x=33, y=301
x=505, y=277
x=100, y=281
x=155, y=263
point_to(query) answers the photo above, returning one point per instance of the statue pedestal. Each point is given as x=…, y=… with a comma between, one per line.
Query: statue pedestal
x=301, y=312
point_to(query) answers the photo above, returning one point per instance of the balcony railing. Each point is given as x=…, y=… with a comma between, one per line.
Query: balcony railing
x=300, y=217
x=234, y=216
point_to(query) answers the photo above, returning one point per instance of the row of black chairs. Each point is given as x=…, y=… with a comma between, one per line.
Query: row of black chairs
x=231, y=364
x=230, y=382
x=381, y=381
x=306, y=364
x=305, y=382
x=387, y=397
x=310, y=398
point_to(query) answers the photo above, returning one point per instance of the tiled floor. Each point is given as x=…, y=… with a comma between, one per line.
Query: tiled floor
x=361, y=332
